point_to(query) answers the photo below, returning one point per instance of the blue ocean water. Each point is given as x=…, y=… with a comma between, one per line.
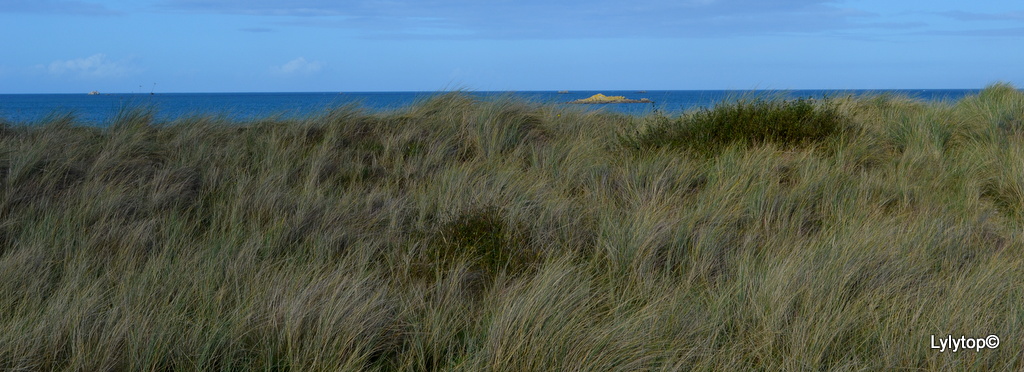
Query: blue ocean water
x=102, y=109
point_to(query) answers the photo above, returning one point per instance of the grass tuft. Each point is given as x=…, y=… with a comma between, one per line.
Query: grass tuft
x=487, y=241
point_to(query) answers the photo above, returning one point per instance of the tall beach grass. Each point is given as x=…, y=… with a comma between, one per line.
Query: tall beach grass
x=458, y=234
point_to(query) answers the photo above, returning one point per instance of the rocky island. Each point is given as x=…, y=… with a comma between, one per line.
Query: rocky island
x=601, y=98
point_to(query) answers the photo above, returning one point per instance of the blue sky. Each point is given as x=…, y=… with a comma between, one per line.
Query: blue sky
x=73, y=46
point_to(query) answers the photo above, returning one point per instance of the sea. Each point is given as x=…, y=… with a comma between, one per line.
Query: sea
x=102, y=109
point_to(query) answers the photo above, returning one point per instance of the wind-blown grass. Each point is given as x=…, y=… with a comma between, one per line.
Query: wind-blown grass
x=460, y=234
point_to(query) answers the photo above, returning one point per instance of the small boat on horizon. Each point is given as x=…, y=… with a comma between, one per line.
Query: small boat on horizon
x=94, y=93
x=563, y=92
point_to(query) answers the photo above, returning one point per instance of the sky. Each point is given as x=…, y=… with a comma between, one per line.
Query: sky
x=75, y=46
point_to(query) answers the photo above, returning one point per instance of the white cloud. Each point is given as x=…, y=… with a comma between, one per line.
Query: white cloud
x=300, y=66
x=94, y=66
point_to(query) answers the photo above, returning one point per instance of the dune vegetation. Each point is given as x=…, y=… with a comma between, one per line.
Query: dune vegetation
x=458, y=234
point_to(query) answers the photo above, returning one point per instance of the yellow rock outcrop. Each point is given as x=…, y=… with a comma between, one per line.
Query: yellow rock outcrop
x=601, y=98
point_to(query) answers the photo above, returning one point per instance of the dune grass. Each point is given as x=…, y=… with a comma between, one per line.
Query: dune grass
x=458, y=234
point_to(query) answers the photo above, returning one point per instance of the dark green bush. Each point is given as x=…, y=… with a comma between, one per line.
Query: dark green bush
x=485, y=239
x=705, y=132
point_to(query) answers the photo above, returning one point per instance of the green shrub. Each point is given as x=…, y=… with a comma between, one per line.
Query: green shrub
x=486, y=240
x=747, y=122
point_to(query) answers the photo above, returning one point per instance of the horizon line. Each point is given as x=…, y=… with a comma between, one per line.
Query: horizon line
x=570, y=91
